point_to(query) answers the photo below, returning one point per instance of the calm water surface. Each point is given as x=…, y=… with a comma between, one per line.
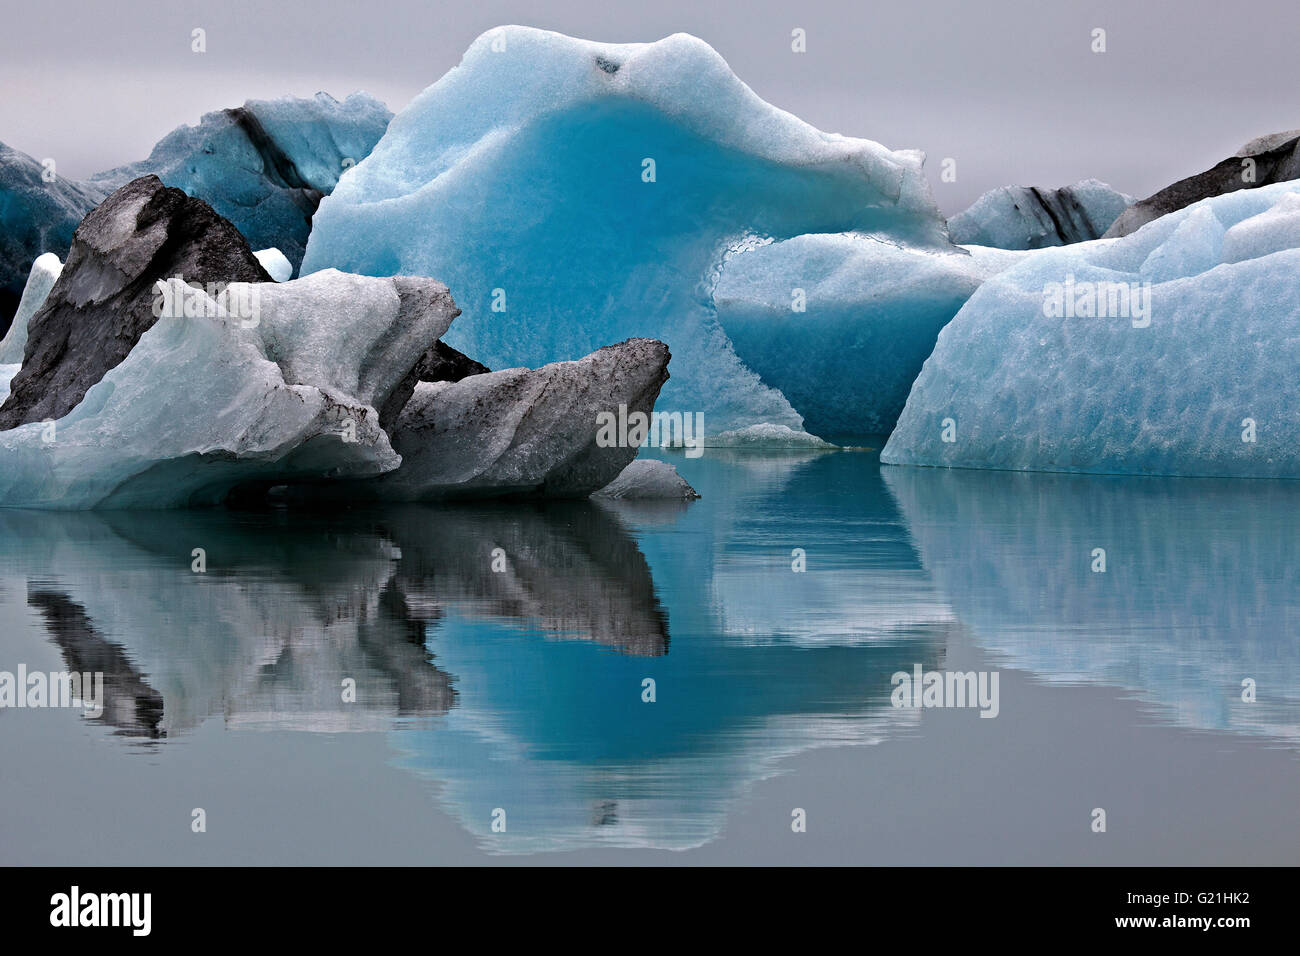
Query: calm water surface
x=521, y=690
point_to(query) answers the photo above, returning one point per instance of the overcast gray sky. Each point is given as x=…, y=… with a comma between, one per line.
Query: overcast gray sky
x=1009, y=88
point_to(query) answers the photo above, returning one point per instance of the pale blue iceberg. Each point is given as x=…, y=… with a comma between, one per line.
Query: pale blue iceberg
x=573, y=194
x=842, y=323
x=1171, y=351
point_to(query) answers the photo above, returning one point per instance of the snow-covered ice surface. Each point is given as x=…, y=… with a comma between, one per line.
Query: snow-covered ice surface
x=204, y=404
x=842, y=323
x=1027, y=217
x=589, y=192
x=45, y=272
x=1208, y=387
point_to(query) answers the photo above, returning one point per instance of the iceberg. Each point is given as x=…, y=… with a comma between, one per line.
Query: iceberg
x=519, y=431
x=769, y=438
x=1167, y=352
x=276, y=265
x=45, y=272
x=1027, y=217
x=204, y=406
x=151, y=379
x=842, y=323
x=105, y=297
x=264, y=166
x=36, y=217
x=574, y=193
x=648, y=479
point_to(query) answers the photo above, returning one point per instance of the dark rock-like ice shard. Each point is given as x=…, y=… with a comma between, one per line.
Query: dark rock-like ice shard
x=105, y=299
x=1274, y=158
x=524, y=432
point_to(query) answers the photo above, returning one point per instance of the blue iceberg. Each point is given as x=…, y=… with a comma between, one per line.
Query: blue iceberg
x=264, y=165
x=841, y=324
x=1171, y=351
x=573, y=194
x=36, y=217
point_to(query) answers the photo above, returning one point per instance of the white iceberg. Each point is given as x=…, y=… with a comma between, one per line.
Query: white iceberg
x=45, y=272
x=264, y=383
x=276, y=264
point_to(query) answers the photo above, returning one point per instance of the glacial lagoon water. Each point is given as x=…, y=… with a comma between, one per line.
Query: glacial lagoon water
x=500, y=654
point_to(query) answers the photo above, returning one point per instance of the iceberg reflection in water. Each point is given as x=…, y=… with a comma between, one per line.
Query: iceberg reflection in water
x=1201, y=588
x=501, y=649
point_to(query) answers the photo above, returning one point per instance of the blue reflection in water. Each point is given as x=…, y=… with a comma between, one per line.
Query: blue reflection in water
x=504, y=647
x=1200, y=592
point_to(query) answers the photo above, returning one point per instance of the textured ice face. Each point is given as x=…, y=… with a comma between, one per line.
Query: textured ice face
x=1199, y=379
x=520, y=431
x=1026, y=217
x=289, y=390
x=842, y=323
x=648, y=479
x=45, y=272
x=572, y=194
